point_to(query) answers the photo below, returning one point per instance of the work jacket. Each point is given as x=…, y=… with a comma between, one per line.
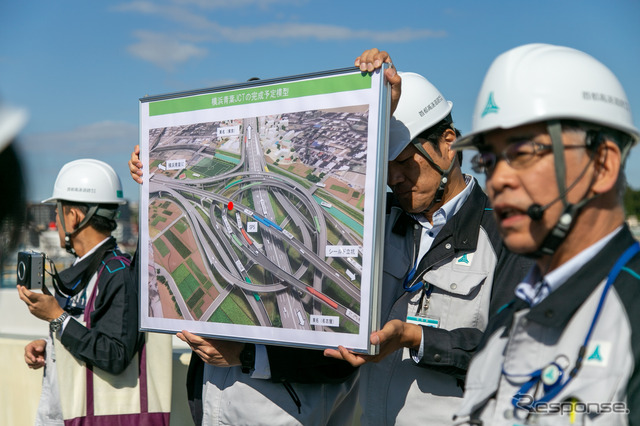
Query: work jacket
x=111, y=342
x=469, y=270
x=547, y=339
x=306, y=388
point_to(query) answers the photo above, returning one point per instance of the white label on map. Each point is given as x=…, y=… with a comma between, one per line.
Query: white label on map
x=325, y=321
x=341, y=251
x=176, y=164
x=228, y=131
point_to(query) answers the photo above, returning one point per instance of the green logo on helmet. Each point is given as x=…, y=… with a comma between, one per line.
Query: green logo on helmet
x=491, y=106
x=119, y=194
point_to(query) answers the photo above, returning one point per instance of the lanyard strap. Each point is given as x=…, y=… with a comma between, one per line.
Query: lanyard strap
x=90, y=306
x=554, y=390
x=142, y=367
x=408, y=283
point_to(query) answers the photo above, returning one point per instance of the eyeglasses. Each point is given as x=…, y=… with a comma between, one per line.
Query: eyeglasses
x=517, y=155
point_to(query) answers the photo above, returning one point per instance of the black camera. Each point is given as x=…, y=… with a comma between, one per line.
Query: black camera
x=30, y=269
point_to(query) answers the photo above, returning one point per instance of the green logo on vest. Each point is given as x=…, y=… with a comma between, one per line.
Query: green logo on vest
x=595, y=356
x=464, y=259
x=551, y=375
x=491, y=106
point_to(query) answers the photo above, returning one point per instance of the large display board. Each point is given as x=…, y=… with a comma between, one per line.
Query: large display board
x=262, y=207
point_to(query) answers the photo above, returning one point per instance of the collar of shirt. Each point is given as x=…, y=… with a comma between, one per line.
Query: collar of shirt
x=535, y=288
x=441, y=217
x=90, y=252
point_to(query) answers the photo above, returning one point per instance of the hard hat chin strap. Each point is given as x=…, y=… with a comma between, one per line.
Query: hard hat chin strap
x=561, y=229
x=68, y=246
x=444, y=174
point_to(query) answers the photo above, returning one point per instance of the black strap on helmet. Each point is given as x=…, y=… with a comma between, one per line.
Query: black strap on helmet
x=444, y=174
x=94, y=210
x=73, y=280
x=561, y=229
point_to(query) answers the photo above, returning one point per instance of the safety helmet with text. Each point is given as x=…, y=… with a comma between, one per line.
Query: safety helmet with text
x=540, y=82
x=87, y=181
x=546, y=83
x=421, y=106
x=91, y=182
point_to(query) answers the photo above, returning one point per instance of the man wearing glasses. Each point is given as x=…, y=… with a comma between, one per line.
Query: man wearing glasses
x=553, y=128
x=445, y=267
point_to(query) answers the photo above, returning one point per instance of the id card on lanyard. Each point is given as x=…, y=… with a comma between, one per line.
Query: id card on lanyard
x=422, y=316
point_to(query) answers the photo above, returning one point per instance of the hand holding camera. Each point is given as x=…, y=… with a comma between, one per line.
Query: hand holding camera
x=30, y=271
x=43, y=306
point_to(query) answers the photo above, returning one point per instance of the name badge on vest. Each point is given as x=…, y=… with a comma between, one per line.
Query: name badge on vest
x=421, y=317
x=423, y=321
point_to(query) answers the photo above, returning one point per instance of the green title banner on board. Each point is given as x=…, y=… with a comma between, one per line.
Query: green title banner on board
x=293, y=89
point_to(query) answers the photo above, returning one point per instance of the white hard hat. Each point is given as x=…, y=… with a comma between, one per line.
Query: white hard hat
x=541, y=82
x=12, y=120
x=421, y=106
x=87, y=181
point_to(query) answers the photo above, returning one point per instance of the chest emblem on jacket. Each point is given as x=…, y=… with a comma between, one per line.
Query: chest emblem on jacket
x=598, y=354
x=465, y=259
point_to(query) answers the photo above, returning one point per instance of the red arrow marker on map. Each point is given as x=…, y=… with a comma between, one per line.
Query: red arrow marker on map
x=230, y=205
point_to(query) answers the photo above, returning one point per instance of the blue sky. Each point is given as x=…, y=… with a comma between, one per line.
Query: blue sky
x=80, y=66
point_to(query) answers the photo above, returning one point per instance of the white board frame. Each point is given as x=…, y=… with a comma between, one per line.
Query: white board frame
x=328, y=97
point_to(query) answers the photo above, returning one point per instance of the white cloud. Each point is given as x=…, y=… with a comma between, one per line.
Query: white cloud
x=167, y=51
x=163, y=50
x=322, y=32
x=291, y=31
x=178, y=13
x=146, y=6
x=170, y=48
x=236, y=4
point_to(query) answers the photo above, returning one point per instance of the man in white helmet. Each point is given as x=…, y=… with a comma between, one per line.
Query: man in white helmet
x=444, y=268
x=553, y=128
x=87, y=194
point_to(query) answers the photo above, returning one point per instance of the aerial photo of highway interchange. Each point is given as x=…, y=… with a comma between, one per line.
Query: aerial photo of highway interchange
x=259, y=221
